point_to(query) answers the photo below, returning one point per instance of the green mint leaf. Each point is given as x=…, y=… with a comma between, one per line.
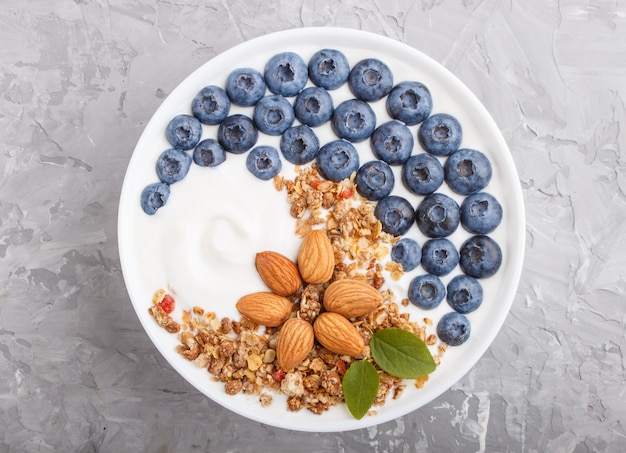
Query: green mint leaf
x=360, y=387
x=401, y=353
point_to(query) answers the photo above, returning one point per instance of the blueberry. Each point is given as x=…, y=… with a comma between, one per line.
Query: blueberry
x=209, y=153
x=409, y=102
x=395, y=214
x=353, y=120
x=273, y=114
x=245, y=86
x=286, y=74
x=337, y=160
x=454, y=328
x=467, y=171
x=374, y=180
x=437, y=215
x=314, y=106
x=392, y=142
x=465, y=294
x=480, y=213
x=264, y=162
x=426, y=291
x=329, y=69
x=439, y=256
x=481, y=257
x=173, y=165
x=154, y=196
x=440, y=134
x=370, y=80
x=299, y=145
x=237, y=134
x=422, y=174
x=183, y=131
x=407, y=252
x=211, y=105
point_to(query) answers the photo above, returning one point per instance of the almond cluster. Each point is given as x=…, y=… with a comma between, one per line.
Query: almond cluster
x=343, y=299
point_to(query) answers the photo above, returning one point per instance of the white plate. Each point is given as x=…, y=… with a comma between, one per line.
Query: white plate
x=202, y=243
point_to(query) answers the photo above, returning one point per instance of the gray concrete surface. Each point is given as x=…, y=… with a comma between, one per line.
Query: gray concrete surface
x=80, y=79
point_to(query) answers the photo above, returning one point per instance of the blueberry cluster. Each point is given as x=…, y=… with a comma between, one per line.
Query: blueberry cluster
x=437, y=216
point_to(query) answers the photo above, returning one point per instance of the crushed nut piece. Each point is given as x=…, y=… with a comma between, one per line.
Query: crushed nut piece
x=269, y=356
x=265, y=399
x=233, y=386
x=292, y=384
x=419, y=383
x=163, y=319
x=254, y=362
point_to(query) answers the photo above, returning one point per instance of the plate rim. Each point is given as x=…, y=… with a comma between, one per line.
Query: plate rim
x=519, y=223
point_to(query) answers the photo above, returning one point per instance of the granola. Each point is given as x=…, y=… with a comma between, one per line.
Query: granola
x=242, y=355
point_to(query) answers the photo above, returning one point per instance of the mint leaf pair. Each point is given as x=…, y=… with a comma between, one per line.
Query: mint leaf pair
x=397, y=352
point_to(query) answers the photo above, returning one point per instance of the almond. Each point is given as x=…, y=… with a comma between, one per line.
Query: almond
x=351, y=298
x=279, y=273
x=337, y=334
x=316, y=259
x=265, y=308
x=295, y=341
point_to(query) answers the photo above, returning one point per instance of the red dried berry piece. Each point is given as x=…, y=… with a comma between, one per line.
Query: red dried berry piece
x=167, y=304
x=341, y=367
x=347, y=193
x=278, y=375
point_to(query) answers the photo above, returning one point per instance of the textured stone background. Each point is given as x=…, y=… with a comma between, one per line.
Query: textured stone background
x=80, y=79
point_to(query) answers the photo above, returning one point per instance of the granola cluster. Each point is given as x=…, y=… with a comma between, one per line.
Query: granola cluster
x=356, y=234
x=242, y=355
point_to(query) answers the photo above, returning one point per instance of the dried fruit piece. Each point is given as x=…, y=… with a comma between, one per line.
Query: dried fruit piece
x=295, y=341
x=265, y=308
x=167, y=304
x=351, y=298
x=279, y=273
x=316, y=259
x=338, y=335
